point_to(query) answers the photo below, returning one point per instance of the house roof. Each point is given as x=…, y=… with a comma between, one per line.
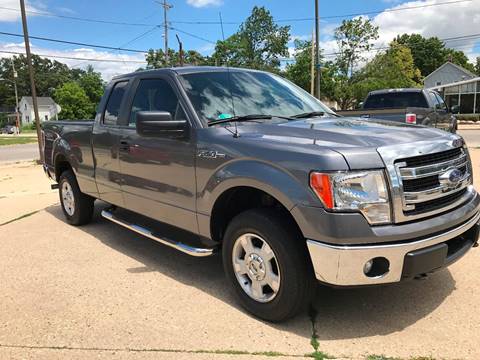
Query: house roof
x=448, y=63
x=41, y=100
x=463, y=82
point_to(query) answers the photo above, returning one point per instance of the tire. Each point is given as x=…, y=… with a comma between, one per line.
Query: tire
x=76, y=206
x=289, y=271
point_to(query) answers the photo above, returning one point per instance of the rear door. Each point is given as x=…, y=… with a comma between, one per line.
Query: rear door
x=105, y=142
x=158, y=173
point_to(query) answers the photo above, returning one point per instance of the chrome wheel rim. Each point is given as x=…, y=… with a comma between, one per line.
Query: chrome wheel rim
x=68, y=200
x=256, y=267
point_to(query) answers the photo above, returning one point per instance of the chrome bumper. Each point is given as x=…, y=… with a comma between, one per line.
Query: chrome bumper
x=343, y=265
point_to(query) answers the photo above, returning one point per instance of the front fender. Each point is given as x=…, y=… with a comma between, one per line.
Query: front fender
x=288, y=189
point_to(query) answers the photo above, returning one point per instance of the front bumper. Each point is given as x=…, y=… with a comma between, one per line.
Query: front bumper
x=344, y=265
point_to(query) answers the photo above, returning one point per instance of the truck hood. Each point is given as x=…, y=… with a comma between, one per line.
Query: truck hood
x=355, y=138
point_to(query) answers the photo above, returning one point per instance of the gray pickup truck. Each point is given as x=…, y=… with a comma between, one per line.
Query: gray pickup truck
x=413, y=106
x=245, y=163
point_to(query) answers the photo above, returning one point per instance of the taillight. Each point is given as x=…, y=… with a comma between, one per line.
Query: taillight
x=411, y=118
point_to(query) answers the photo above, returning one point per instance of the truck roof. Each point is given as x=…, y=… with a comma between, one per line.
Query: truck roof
x=184, y=70
x=386, y=91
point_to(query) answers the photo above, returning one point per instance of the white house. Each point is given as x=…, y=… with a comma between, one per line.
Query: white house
x=446, y=74
x=47, y=109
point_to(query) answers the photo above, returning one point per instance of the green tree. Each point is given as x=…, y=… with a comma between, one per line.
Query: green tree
x=258, y=43
x=477, y=66
x=430, y=53
x=74, y=101
x=354, y=38
x=91, y=82
x=393, y=69
x=156, y=58
x=299, y=71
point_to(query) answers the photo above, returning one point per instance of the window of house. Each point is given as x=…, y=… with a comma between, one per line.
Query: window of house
x=46, y=117
x=27, y=118
x=114, y=103
x=439, y=83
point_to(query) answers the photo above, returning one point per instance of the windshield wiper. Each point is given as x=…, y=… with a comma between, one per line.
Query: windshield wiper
x=309, y=114
x=241, y=118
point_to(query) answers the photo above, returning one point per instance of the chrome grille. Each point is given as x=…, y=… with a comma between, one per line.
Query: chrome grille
x=416, y=176
x=433, y=181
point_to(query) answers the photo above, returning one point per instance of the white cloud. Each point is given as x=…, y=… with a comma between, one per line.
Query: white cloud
x=14, y=15
x=204, y=3
x=443, y=21
x=107, y=69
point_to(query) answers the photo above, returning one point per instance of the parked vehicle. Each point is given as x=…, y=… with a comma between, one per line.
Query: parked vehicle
x=411, y=106
x=8, y=129
x=245, y=163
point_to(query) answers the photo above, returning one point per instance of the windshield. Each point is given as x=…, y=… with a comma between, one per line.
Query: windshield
x=221, y=95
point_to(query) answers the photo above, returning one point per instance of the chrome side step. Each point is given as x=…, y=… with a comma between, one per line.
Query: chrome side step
x=198, y=252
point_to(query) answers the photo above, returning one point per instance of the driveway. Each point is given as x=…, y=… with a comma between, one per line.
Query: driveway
x=103, y=291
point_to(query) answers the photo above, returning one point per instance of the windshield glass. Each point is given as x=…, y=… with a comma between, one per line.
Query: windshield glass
x=219, y=95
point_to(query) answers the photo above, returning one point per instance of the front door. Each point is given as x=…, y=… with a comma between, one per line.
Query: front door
x=158, y=173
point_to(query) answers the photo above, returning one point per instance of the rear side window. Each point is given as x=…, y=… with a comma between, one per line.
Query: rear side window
x=114, y=103
x=395, y=100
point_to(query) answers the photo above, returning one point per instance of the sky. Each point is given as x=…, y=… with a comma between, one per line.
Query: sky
x=137, y=25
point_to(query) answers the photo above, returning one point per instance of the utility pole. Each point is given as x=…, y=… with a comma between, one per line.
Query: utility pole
x=166, y=6
x=32, y=77
x=312, y=66
x=15, y=76
x=317, y=50
x=180, y=50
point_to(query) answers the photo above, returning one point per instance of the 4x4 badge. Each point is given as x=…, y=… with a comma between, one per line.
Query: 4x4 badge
x=210, y=154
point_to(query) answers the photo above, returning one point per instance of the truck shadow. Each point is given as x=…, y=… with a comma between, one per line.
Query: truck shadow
x=340, y=313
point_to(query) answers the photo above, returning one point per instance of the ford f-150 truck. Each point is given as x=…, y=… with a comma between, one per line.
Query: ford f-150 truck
x=245, y=163
x=413, y=106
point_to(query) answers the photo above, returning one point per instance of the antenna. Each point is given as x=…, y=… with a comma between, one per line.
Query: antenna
x=235, y=135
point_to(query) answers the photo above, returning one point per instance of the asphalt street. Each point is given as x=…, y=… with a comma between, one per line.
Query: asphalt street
x=14, y=153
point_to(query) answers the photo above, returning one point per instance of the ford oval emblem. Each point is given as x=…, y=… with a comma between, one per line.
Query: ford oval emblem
x=451, y=178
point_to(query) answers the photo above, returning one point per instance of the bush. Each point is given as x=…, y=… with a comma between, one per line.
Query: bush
x=469, y=117
x=28, y=127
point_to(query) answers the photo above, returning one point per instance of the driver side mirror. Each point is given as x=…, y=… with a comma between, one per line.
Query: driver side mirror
x=455, y=109
x=157, y=123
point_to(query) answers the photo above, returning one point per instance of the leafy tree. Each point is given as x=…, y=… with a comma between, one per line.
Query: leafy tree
x=258, y=43
x=299, y=71
x=354, y=37
x=74, y=101
x=430, y=53
x=156, y=58
x=477, y=66
x=91, y=82
x=393, y=69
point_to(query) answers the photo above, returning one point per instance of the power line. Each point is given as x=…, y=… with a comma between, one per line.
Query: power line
x=74, y=58
x=193, y=35
x=110, y=22
x=212, y=22
x=216, y=22
x=73, y=42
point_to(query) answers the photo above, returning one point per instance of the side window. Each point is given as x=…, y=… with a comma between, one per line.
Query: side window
x=441, y=103
x=114, y=103
x=155, y=95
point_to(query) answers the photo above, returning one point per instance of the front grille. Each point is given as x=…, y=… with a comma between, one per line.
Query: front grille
x=426, y=186
x=429, y=159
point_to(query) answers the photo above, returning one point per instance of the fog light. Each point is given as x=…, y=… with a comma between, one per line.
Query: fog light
x=367, y=267
x=376, y=267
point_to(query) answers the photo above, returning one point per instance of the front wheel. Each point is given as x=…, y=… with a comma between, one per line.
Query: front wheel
x=266, y=262
x=77, y=207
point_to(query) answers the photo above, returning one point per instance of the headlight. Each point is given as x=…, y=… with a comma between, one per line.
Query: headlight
x=363, y=191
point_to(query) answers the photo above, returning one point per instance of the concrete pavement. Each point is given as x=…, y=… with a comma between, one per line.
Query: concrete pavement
x=472, y=137
x=103, y=291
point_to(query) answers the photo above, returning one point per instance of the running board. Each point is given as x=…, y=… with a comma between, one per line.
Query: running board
x=198, y=252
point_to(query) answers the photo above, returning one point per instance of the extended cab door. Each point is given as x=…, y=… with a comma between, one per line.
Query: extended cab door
x=158, y=172
x=105, y=143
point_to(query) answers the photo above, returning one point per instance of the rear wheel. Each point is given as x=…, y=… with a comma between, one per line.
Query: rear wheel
x=77, y=207
x=266, y=262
